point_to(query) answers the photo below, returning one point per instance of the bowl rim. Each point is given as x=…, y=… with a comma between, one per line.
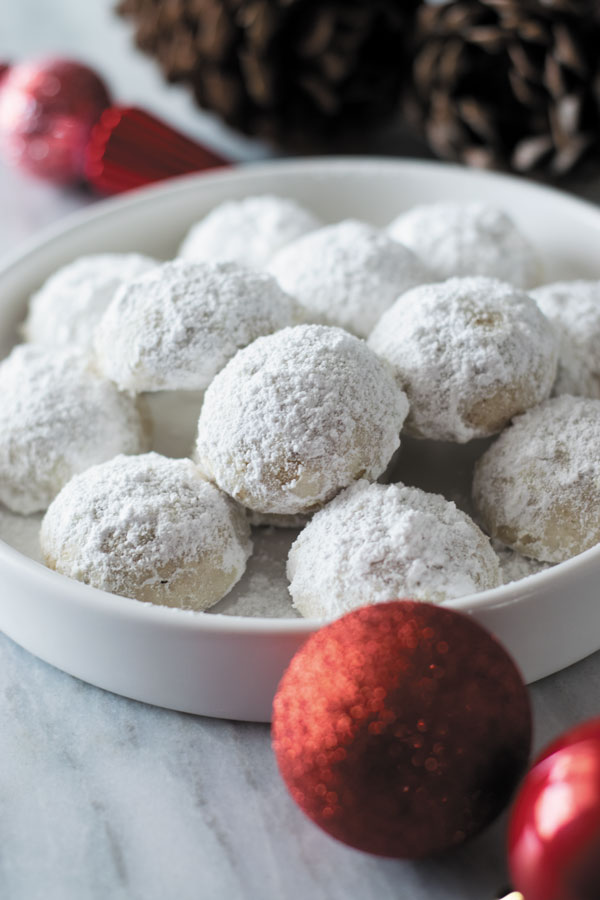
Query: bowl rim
x=168, y=617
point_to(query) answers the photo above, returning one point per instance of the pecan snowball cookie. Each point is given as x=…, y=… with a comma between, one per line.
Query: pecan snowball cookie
x=175, y=327
x=470, y=353
x=537, y=488
x=456, y=239
x=149, y=528
x=248, y=231
x=297, y=416
x=69, y=305
x=347, y=274
x=377, y=542
x=573, y=307
x=57, y=418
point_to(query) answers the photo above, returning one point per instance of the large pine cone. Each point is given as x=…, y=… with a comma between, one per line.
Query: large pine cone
x=510, y=84
x=288, y=70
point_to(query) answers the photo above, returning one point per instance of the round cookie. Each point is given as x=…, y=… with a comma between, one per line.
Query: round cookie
x=375, y=543
x=248, y=231
x=537, y=488
x=347, y=274
x=456, y=240
x=175, y=327
x=69, y=305
x=470, y=353
x=57, y=418
x=297, y=416
x=573, y=307
x=149, y=528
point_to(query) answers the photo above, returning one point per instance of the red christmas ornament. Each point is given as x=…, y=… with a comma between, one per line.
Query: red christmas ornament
x=56, y=123
x=47, y=111
x=554, y=833
x=402, y=728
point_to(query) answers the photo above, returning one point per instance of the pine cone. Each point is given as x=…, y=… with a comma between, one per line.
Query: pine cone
x=509, y=84
x=288, y=70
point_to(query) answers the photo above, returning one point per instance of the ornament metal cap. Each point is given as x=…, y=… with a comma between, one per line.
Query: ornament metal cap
x=129, y=148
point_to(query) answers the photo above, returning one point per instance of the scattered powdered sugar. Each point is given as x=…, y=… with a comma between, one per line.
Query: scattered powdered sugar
x=375, y=543
x=57, y=418
x=263, y=589
x=537, y=489
x=456, y=239
x=69, y=305
x=347, y=274
x=573, y=307
x=470, y=353
x=514, y=566
x=176, y=326
x=148, y=527
x=297, y=416
x=248, y=231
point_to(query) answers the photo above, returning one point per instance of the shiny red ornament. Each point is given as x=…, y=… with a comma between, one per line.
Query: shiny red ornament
x=402, y=728
x=554, y=833
x=47, y=111
x=129, y=147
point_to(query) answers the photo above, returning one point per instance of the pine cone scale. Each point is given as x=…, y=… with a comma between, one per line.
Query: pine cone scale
x=517, y=80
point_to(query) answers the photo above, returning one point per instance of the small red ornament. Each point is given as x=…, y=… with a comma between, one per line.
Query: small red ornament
x=554, y=834
x=402, y=728
x=56, y=123
x=47, y=112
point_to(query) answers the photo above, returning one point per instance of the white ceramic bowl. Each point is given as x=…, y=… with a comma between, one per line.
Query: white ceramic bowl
x=228, y=666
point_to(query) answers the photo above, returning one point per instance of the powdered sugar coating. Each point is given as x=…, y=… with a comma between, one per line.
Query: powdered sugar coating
x=514, y=566
x=150, y=528
x=57, y=418
x=456, y=240
x=69, y=305
x=175, y=327
x=248, y=231
x=537, y=488
x=375, y=543
x=297, y=416
x=573, y=307
x=347, y=274
x=470, y=353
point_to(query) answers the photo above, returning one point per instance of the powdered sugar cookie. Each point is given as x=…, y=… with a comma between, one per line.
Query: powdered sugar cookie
x=297, y=416
x=57, y=418
x=375, y=543
x=470, y=353
x=149, y=528
x=456, y=239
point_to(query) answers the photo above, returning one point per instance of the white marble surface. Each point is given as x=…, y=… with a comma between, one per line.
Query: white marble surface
x=102, y=798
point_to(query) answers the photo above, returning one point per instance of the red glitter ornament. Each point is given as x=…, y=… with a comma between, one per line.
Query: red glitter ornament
x=402, y=728
x=554, y=834
x=47, y=111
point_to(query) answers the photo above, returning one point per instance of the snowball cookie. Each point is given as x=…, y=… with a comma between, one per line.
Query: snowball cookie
x=57, y=418
x=378, y=542
x=247, y=231
x=69, y=305
x=537, y=488
x=150, y=528
x=470, y=353
x=457, y=239
x=175, y=327
x=347, y=274
x=573, y=307
x=297, y=416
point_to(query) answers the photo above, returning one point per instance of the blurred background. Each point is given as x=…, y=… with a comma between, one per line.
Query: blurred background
x=506, y=84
